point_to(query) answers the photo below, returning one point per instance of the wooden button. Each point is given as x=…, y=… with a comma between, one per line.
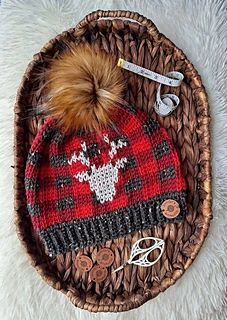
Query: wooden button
x=98, y=274
x=170, y=208
x=83, y=263
x=105, y=257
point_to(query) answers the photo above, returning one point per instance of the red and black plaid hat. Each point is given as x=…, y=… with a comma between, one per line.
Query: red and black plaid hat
x=86, y=188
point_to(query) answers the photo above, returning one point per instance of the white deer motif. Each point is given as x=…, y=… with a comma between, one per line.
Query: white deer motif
x=102, y=179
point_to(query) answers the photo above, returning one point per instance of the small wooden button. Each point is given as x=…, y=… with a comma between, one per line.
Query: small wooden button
x=105, y=257
x=83, y=263
x=170, y=208
x=98, y=274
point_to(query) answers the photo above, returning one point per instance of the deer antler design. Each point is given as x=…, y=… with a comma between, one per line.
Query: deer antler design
x=102, y=179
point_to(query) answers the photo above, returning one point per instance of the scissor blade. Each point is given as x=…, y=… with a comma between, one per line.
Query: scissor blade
x=119, y=268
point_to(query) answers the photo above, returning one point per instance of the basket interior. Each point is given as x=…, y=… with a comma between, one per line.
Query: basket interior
x=188, y=127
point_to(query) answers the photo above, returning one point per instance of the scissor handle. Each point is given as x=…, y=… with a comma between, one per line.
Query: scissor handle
x=143, y=261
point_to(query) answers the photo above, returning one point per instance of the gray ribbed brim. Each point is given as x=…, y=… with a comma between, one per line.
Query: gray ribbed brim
x=80, y=233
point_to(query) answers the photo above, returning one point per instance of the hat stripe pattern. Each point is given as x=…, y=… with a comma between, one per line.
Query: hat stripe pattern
x=84, y=189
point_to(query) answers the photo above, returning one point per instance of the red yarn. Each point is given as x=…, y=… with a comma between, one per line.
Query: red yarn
x=44, y=177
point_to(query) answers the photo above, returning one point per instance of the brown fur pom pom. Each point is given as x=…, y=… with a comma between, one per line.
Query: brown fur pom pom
x=83, y=87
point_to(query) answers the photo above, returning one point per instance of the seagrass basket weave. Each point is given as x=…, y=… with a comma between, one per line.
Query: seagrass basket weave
x=136, y=39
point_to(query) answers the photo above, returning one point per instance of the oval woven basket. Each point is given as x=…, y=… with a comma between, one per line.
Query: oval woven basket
x=133, y=37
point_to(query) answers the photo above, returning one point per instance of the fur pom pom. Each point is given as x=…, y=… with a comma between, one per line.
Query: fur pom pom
x=83, y=87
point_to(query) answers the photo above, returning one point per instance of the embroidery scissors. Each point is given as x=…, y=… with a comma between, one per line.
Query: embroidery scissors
x=143, y=260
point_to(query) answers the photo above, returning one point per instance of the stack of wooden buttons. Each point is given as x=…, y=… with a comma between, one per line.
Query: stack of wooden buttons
x=99, y=272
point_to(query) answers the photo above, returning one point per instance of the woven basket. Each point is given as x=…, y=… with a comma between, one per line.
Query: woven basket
x=136, y=39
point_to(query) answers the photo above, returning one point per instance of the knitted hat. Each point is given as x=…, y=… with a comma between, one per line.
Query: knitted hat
x=97, y=170
x=86, y=188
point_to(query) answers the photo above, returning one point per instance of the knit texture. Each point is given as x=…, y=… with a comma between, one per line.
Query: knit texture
x=86, y=188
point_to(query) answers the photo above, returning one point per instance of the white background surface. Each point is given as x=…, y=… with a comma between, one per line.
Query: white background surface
x=198, y=28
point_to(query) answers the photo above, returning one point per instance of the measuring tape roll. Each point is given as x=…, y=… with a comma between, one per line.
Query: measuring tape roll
x=166, y=103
